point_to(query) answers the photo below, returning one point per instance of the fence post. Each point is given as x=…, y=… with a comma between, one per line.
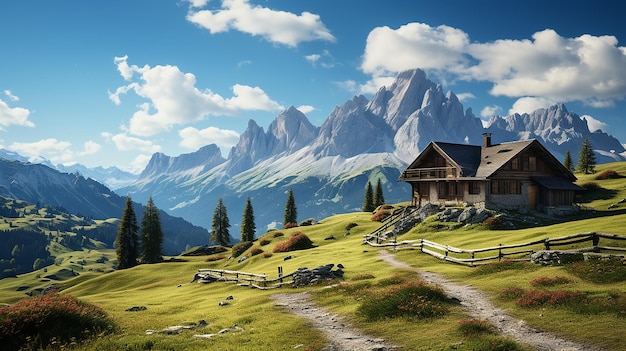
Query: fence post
x=546, y=243
x=595, y=239
x=499, y=252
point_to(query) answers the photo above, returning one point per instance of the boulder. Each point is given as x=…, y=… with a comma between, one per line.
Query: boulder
x=556, y=257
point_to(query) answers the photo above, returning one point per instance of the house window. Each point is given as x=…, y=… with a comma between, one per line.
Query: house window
x=515, y=164
x=474, y=188
x=532, y=163
x=503, y=187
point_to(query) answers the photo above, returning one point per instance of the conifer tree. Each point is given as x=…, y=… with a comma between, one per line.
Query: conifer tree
x=368, y=202
x=151, y=234
x=126, y=241
x=248, y=228
x=220, y=224
x=291, y=212
x=586, y=158
x=567, y=162
x=379, y=198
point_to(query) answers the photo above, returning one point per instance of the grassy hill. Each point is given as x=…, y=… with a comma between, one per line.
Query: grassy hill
x=165, y=288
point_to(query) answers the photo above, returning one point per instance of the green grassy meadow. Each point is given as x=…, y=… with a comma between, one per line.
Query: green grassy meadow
x=171, y=299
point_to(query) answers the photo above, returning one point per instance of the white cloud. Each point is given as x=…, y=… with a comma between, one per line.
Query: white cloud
x=90, y=148
x=530, y=104
x=465, y=96
x=13, y=115
x=56, y=151
x=595, y=124
x=306, y=108
x=193, y=139
x=138, y=164
x=590, y=69
x=174, y=99
x=325, y=59
x=489, y=111
x=275, y=26
x=124, y=142
x=11, y=96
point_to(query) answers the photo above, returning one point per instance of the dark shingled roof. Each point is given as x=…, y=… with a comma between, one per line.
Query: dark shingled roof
x=466, y=156
x=557, y=183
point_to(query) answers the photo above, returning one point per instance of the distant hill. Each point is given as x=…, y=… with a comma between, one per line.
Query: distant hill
x=77, y=195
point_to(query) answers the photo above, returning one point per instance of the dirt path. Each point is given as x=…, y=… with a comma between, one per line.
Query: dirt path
x=341, y=335
x=477, y=305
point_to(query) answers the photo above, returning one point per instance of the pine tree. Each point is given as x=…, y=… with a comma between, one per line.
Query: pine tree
x=248, y=227
x=220, y=225
x=368, y=202
x=379, y=198
x=586, y=158
x=126, y=241
x=151, y=234
x=291, y=212
x=567, y=162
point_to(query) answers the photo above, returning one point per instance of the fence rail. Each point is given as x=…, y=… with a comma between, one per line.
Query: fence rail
x=444, y=252
x=258, y=281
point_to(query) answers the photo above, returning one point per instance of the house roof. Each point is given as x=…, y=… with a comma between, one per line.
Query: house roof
x=482, y=162
x=557, y=183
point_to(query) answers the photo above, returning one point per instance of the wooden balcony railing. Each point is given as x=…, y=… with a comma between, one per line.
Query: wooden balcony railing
x=430, y=173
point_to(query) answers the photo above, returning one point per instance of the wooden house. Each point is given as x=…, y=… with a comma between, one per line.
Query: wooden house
x=515, y=175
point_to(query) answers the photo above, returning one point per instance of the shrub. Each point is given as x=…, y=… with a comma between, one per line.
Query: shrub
x=475, y=328
x=350, y=226
x=39, y=321
x=540, y=298
x=267, y=254
x=255, y=251
x=492, y=343
x=264, y=242
x=494, y=222
x=215, y=258
x=297, y=241
x=290, y=225
x=241, y=247
x=608, y=174
x=380, y=215
x=412, y=300
x=277, y=234
x=549, y=281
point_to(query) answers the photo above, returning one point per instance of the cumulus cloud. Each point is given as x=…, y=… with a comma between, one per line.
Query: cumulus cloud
x=489, y=111
x=124, y=142
x=193, y=139
x=595, y=124
x=590, y=69
x=90, y=148
x=56, y=151
x=530, y=104
x=174, y=99
x=13, y=115
x=279, y=27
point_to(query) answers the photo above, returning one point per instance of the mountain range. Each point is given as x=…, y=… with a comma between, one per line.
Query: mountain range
x=327, y=167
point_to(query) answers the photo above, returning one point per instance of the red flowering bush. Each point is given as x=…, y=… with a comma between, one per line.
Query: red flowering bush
x=380, y=215
x=215, y=258
x=549, y=281
x=539, y=298
x=608, y=174
x=40, y=321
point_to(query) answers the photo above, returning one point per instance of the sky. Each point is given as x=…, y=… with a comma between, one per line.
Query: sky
x=109, y=83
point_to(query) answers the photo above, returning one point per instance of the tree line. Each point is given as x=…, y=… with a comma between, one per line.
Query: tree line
x=586, y=159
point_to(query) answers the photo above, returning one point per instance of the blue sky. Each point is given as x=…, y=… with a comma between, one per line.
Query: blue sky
x=108, y=83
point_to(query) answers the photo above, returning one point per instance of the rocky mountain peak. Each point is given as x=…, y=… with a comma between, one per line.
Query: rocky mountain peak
x=291, y=131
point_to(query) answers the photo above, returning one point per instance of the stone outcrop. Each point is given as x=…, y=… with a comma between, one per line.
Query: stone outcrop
x=304, y=276
x=556, y=257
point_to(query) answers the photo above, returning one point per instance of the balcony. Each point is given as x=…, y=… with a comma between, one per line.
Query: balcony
x=429, y=173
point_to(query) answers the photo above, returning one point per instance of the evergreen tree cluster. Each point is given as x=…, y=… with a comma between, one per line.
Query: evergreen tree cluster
x=373, y=198
x=129, y=251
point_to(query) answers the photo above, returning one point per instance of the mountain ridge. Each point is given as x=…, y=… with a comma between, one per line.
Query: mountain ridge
x=361, y=140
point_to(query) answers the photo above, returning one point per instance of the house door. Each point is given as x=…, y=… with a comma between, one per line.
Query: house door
x=532, y=197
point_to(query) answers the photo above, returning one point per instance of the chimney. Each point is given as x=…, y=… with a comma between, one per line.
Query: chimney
x=486, y=139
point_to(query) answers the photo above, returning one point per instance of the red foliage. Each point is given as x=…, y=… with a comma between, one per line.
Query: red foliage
x=298, y=241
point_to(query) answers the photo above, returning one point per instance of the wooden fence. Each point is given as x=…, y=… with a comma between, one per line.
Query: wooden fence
x=520, y=252
x=258, y=281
